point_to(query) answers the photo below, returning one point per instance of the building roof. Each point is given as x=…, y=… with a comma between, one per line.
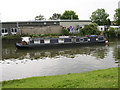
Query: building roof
x=48, y=21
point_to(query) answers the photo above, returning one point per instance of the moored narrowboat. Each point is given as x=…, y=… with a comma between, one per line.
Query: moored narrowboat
x=29, y=42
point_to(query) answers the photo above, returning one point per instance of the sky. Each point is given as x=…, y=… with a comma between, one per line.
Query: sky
x=26, y=10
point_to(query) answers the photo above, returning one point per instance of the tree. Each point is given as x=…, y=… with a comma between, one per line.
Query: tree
x=55, y=16
x=90, y=29
x=100, y=17
x=117, y=17
x=108, y=23
x=69, y=15
x=40, y=17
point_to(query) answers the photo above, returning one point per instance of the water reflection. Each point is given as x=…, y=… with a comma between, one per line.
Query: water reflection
x=10, y=52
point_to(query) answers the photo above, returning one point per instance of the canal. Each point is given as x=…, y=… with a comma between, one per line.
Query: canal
x=17, y=64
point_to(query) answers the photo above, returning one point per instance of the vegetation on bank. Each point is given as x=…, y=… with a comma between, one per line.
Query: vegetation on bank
x=11, y=37
x=106, y=78
x=112, y=33
x=27, y=35
x=90, y=29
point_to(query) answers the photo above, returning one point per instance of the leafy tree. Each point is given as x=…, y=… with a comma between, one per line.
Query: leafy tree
x=69, y=15
x=40, y=17
x=108, y=23
x=117, y=17
x=112, y=32
x=55, y=16
x=90, y=29
x=100, y=17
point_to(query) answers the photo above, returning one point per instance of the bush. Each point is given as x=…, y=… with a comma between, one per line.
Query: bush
x=90, y=29
x=35, y=35
x=112, y=32
x=65, y=32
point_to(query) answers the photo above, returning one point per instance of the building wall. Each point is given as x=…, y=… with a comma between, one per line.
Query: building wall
x=73, y=23
x=42, y=27
x=37, y=30
x=9, y=26
x=101, y=28
x=117, y=27
x=33, y=27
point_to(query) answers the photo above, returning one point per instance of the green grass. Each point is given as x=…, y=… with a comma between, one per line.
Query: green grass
x=107, y=78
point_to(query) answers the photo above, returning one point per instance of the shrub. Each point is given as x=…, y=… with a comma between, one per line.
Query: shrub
x=65, y=32
x=35, y=35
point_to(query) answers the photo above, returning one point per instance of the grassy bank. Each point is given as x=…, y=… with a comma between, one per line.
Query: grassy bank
x=107, y=78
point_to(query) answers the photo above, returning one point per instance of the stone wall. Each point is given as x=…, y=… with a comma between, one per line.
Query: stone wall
x=40, y=30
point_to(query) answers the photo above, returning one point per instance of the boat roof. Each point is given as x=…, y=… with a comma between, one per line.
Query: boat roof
x=62, y=37
x=39, y=38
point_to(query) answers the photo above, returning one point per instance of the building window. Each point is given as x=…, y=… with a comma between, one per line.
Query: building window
x=101, y=29
x=4, y=30
x=13, y=30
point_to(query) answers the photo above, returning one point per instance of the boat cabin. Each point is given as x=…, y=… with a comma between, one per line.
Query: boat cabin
x=62, y=39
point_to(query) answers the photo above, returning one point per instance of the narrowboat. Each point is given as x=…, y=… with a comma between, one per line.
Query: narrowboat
x=38, y=42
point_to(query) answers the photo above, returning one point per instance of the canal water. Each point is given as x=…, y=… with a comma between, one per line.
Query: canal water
x=18, y=64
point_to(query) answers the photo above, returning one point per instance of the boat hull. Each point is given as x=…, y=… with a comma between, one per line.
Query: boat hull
x=30, y=46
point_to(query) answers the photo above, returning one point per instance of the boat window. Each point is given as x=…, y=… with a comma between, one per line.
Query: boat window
x=36, y=41
x=88, y=39
x=96, y=39
x=73, y=40
x=85, y=39
x=77, y=40
x=41, y=41
x=31, y=41
x=67, y=40
x=54, y=41
x=61, y=40
x=47, y=41
x=101, y=38
x=81, y=40
x=93, y=39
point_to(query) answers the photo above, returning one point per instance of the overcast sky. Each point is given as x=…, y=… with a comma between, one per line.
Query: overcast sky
x=24, y=10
